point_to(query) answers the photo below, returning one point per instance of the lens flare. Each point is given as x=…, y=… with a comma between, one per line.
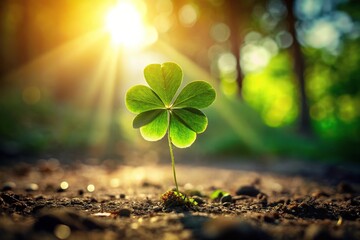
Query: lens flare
x=125, y=24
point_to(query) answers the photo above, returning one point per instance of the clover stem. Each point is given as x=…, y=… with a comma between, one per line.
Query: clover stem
x=172, y=161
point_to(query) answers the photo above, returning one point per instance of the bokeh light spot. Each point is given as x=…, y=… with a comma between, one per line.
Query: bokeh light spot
x=323, y=34
x=115, y=182
x=342, y=21
x=227, y=63
x=270, y=46
x=307, y=9
x=229, y=88
x=252, y=37
x=91, y=188
x=347, y=108
x=277, y=8
x=254, y=58
x=284, y=39
x=164, y=6
x=62, y=231
x=271, y=91
x=188, y=15
x=215, y=51
x=322, y=109
x=278, y=111
x=220, y=32
x=64, y=185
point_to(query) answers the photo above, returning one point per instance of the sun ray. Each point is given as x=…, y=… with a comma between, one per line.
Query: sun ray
x=97, y=100
x=66, y=53
x=97, y=78
x=106, y=108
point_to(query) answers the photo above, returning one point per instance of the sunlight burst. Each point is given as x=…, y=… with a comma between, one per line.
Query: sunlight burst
x=125, y=24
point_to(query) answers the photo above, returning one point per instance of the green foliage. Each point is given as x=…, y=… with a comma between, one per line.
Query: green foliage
x=272, y=92
x=42, y=127
x=217, y=194
x=160, y=112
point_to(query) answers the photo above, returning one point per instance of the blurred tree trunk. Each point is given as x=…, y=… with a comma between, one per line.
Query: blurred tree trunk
x=299, y=68
x=237, y=23
x=23, y=33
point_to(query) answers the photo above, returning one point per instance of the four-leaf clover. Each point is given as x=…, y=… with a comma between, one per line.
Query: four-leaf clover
x=160, y=112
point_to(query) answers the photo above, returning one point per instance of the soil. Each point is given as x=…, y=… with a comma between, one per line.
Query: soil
x=112, y=200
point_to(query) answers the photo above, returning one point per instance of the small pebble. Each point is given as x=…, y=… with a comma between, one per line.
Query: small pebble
x=122, y=195
x=344, y=187
x=10, y=198
x=32, y=187
x=248, y=191
x=226, y=204
x=2, y=202
x=340, y=221
x=112, y=196
x=355, y=201
x=262, y=198
x=39, y=197
x=124, y=212
x=19, y=206
x=81, y=192
x=8, y=186
x=269, y=218
x=319, y=193
x=226, y=198
x=193, y=192
x=198, y=199
x=76, y=201
x=157, y=208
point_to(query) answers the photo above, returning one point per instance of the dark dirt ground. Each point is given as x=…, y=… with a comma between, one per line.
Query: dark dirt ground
x=278, y=200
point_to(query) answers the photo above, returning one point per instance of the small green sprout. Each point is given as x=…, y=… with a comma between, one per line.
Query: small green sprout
x=217, y=194
x=174, y=199
x=160, y=112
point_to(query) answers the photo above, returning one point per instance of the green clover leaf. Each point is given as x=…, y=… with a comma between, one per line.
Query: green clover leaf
x=159, y=112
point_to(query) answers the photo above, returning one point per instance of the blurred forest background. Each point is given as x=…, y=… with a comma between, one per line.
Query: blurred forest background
x=286, y=72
